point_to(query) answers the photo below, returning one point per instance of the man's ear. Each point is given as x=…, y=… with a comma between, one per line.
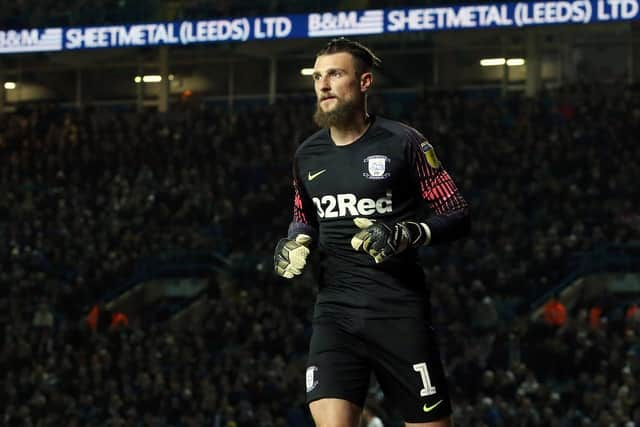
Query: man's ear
x=366, y=80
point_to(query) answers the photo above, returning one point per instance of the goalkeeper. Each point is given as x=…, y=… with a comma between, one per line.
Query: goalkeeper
x=368, y=192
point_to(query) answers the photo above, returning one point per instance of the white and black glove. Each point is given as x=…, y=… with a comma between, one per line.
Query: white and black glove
x=382, y=241
x=291, y=255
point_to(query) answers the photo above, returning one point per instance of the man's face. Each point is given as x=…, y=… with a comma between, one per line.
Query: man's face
x=339, y=90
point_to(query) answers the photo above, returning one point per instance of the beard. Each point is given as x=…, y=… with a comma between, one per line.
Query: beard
x=339, y=117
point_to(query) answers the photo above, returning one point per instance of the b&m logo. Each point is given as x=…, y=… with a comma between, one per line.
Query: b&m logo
x=32, y=40
x=346, y=23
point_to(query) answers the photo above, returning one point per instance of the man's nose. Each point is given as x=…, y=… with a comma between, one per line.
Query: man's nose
x=323, y=84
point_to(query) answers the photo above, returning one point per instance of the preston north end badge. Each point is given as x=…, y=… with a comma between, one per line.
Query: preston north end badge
x=377, y=167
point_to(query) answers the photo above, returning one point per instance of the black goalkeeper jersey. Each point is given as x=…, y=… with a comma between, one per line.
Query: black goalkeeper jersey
x=390, y=174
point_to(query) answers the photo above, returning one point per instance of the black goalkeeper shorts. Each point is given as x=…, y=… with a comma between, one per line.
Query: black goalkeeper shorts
x=403, y=354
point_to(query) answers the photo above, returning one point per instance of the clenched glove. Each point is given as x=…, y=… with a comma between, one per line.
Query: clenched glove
x=291, y=255
x=382, y=241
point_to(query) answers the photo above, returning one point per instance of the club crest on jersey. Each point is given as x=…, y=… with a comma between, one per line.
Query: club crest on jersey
x=430, y=154
x=377, y=167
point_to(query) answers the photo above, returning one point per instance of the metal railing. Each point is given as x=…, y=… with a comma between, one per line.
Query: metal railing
x=608, y=258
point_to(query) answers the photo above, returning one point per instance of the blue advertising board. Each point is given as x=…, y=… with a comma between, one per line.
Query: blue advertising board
x=325, y=24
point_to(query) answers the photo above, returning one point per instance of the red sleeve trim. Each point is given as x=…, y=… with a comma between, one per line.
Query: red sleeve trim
x=299, y=214
x=436, y=187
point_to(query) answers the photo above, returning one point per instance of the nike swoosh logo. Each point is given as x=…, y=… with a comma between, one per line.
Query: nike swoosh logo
x=313, y=176
x=426, y=408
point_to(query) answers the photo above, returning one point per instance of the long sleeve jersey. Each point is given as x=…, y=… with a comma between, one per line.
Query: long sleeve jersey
x=390, y=174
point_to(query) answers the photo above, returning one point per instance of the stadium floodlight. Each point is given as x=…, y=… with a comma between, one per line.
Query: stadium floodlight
x=9, y=85
x=492, y=62
x=306, y=71
x=511, y=62
x=150, y=78
x=514, y=62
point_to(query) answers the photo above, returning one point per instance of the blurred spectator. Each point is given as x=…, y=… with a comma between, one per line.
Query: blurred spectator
x=371, y=414
x=554, y=312
x=595, y=317
x=43, y=317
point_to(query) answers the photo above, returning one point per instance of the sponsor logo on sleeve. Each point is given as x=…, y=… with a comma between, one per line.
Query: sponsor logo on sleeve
x=430, y=154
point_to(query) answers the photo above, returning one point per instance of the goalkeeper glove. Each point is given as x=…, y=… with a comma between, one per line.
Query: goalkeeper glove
x=382, y=241
x=291, y=255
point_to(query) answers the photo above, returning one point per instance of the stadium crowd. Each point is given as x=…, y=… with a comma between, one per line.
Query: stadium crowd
x=88, y=194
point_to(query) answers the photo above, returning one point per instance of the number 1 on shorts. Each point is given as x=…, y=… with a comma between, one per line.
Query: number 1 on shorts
x=428, y=389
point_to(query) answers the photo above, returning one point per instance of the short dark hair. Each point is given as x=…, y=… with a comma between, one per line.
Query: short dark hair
x=365, y=58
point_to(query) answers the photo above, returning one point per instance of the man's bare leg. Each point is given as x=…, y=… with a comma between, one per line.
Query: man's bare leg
x=331, y=412
x=444, y=422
